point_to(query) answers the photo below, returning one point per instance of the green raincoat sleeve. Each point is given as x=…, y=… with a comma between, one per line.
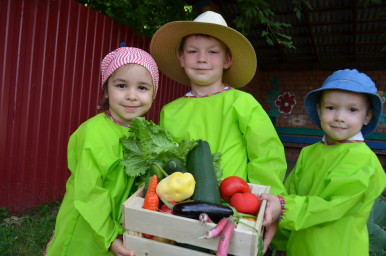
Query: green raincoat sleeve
x=330, y=195
x=235, y=125
x=266, y=159
x=90, y=217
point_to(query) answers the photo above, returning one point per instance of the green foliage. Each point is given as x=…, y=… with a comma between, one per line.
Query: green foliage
x=148, y=142
x=260, y=11
x=143, y=16
x=376, y=226
x=28, y=234
x=146, y=16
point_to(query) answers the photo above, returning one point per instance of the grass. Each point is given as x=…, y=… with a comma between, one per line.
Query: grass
x=28, y=234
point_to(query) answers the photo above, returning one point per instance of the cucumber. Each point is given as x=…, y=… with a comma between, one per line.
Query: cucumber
x=200, y=165
x=156, y=168
x=174, y=165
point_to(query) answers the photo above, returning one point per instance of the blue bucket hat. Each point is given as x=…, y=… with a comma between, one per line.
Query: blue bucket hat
x=347, y=80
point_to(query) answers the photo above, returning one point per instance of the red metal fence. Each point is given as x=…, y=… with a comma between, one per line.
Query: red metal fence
x=50, y=51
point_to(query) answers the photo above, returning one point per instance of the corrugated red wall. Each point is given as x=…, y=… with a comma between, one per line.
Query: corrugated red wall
x=50, y=51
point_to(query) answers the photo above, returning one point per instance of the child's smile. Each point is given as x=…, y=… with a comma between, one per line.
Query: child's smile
x=130, y=92
x=342, y=114
x=204, y=60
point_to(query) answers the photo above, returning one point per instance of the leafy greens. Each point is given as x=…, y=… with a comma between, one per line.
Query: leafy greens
x=148, y=142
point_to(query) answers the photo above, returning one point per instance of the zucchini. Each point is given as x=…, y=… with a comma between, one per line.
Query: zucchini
x=192, y=209
x=200, y=165
x=174, y=165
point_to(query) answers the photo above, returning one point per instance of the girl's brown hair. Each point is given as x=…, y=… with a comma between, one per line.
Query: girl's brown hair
x=105, y=100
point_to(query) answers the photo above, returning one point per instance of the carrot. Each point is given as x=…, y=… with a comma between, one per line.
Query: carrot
x=151, y=201
x=153, y=184
x=249, y=218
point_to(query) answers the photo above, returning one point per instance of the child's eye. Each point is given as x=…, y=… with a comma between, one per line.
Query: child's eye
x=353, y=109
x=142, y=88
x=121, y=85
x=191, y=51
x=213, y=51
x=330, y=107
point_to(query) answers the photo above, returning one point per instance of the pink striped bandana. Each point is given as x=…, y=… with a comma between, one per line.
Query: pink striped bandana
x=126, y=55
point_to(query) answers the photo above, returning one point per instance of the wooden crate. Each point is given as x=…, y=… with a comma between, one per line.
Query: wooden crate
x=244, y=240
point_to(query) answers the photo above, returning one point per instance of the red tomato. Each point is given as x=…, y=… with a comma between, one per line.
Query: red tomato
x=232, y=185
x=245, y=203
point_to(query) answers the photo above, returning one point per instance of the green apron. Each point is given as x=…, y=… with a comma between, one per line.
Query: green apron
x=330, y=195
x=90, y=216
x=235, y=125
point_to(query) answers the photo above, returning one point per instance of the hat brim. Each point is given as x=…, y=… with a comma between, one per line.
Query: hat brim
x=312, y=99
x=164, y=43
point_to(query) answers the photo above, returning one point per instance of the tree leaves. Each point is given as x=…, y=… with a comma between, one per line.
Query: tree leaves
x=143, y=16
x=259, y=11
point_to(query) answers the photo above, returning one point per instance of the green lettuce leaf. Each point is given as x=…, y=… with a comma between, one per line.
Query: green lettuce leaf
x=148, y=142
x=216, y=166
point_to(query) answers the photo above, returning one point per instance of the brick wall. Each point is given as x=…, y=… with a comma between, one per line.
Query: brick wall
x=299, y=84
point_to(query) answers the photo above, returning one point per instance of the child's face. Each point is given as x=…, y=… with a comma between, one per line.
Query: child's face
x=342, y=114
x=204, y=59
x=130, y=92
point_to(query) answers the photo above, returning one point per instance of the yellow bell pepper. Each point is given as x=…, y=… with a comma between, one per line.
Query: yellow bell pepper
x=176, y=187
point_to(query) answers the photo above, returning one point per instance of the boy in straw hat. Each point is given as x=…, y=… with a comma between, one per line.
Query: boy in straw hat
x=214, y=59
x=334, y=184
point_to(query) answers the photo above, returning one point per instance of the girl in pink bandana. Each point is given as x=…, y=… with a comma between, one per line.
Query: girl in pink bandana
x=89, y=221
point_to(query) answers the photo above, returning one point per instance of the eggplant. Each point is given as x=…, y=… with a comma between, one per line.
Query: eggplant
x=192, y=209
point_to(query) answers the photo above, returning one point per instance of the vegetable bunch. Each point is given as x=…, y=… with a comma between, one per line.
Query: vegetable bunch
x=177, y=183
x=148, y=143
x=172, y=169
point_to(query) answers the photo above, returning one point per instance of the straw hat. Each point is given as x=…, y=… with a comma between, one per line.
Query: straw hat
x=347, y=80
x=164, y=48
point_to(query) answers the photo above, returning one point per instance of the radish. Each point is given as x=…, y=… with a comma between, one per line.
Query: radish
x=225, y=236
x=165, y=208
x=204, y=218
x=218, y=229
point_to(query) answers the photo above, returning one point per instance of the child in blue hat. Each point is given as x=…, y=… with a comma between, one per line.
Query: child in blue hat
x=335, y=182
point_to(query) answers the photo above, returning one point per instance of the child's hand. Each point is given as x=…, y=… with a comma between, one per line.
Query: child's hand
x=273, y=210
x=118, y=249
x=271, y=216
x=269, y=233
